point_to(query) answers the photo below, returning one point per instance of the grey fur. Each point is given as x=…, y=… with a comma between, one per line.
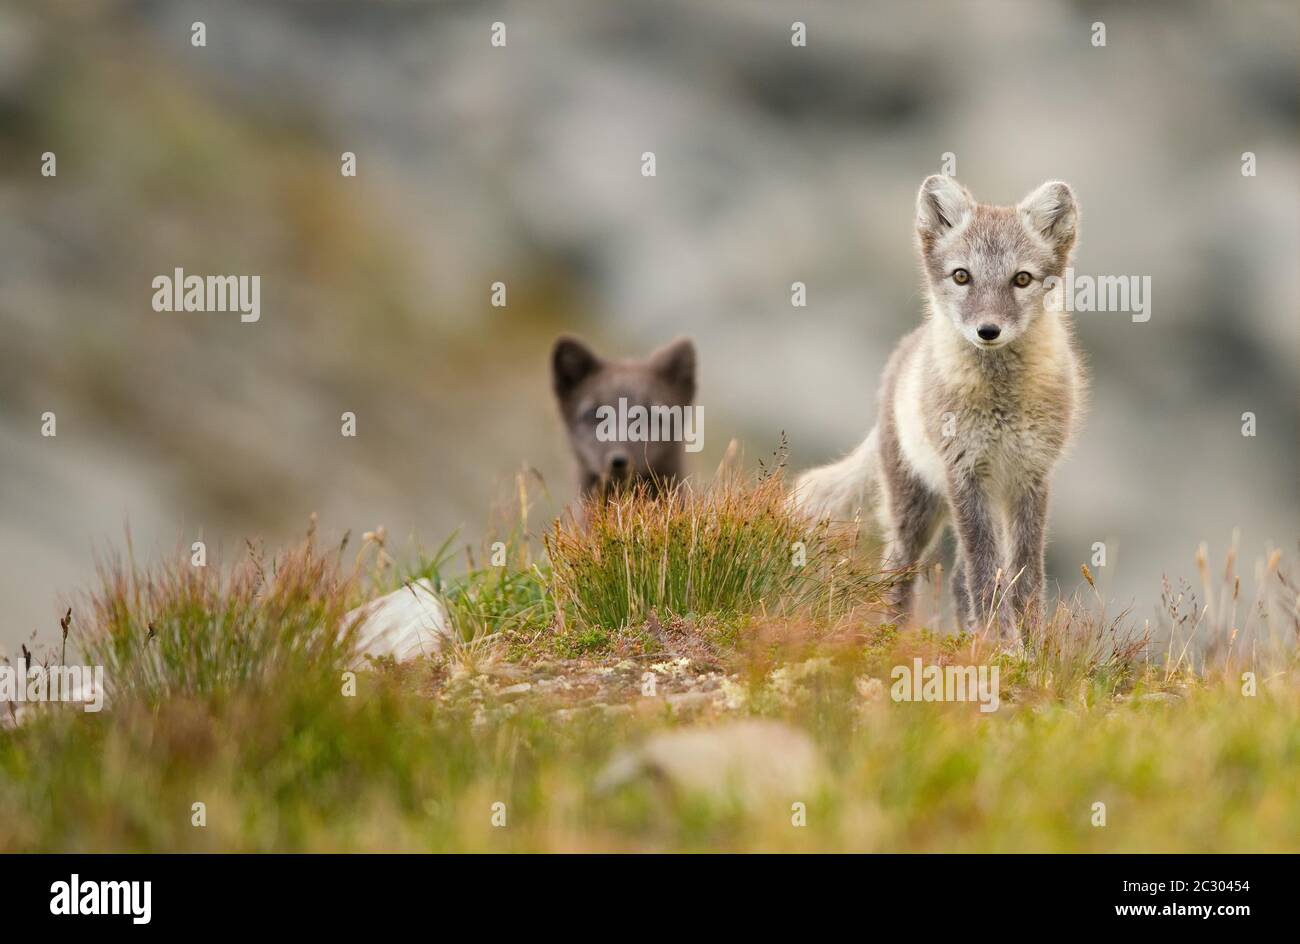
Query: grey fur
x=583, y=381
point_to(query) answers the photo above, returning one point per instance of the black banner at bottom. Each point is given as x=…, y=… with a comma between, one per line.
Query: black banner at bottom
x=339, y=893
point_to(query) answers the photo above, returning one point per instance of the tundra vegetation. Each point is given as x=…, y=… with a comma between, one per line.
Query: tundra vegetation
x=693, y=671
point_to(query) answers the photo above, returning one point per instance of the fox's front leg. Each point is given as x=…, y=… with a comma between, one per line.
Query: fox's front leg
x=916, y=514
x=981, y=558
x=965, y=612
x=1028, y=539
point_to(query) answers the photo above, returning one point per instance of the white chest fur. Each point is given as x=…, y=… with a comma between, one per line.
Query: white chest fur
x=956, y=414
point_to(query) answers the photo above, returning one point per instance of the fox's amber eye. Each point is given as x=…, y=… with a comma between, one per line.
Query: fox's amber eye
x=961, y=276
x=1022, y=279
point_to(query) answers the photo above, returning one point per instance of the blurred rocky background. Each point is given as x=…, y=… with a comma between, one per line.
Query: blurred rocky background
x=522, y=165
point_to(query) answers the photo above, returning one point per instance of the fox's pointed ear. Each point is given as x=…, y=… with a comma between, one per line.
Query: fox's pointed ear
x=942, y=204
x=675, y=362
x=1052, y=213
x=572, y=362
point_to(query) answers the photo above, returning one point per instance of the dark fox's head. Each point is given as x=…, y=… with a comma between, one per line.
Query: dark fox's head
x=598, y=400
x=986, y=265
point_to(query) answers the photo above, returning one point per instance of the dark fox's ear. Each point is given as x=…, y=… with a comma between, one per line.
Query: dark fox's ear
x=675, y=362
x=572, y=362
x=1052, y=213
x=941, y=204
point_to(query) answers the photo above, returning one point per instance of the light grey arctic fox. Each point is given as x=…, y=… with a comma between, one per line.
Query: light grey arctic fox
x=975, y=408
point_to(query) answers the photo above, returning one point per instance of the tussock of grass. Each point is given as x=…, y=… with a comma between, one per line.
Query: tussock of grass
x=1081, y=654
x=733, y=549
x=182, y=630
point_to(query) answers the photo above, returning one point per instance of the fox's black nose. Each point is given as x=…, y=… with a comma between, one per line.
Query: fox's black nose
x=618, y=462
x=988, y=332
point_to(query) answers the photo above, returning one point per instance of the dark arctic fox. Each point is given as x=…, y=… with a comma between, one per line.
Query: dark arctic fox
x=629, y=421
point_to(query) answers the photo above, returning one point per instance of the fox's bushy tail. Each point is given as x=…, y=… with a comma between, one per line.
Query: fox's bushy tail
x=843, y=490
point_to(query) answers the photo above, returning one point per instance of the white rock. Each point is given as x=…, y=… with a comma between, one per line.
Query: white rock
x=685, y=701
x=753, y=762
x=408, y=623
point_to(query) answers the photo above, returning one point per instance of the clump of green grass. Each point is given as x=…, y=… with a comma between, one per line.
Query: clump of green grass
x=506, y=591
x=731, y=549
x=503, y=591
x=181, y=629
x=1079, y=653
